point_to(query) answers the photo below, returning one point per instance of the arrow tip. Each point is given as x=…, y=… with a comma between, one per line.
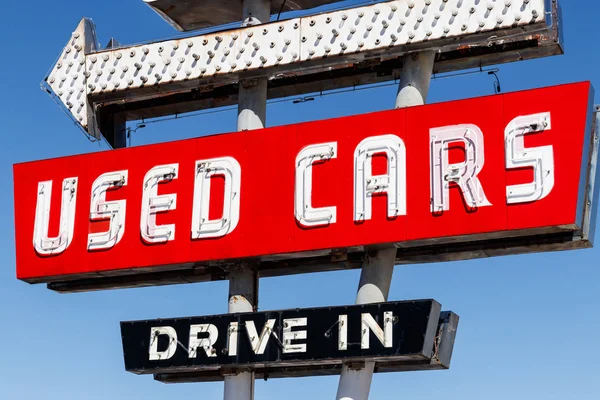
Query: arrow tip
x=68, y=79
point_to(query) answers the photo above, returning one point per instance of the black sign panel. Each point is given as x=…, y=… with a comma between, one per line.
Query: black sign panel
x=276, y=340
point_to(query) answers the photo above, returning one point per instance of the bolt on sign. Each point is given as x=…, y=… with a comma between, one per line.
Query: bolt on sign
x=502, y=174
x=399, y=336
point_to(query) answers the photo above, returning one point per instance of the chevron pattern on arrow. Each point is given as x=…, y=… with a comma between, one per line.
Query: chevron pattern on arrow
x=85, y=75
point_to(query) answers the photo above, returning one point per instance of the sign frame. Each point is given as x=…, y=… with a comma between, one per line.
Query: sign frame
x=438, y=249
x=435, y=352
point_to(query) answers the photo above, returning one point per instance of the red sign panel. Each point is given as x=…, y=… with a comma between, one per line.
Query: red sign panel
x=491, y=167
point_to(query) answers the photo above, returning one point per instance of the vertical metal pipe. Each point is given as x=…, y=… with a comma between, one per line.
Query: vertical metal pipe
x=243, y=297
x=239, y=387
x=415, y=78
x=255, y=12
x=252, y=106
x=378, y=268
x=243, y=282
x=374, y=287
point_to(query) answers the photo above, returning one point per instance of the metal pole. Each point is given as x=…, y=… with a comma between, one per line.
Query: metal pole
x=243, y=297
x=415, y=79
x=252, y=109
x=243, y=282
x=378, y=267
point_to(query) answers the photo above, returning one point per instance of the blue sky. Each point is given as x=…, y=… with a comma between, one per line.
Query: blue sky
x=529, y=324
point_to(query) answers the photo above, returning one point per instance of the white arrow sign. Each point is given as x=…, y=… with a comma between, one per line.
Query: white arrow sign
x=84, y=74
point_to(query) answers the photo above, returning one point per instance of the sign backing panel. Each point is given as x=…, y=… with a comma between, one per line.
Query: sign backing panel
x=472, y=178
x=397, y=335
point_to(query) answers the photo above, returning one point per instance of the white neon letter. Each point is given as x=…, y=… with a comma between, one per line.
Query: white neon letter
x=232, y=339
x=464, y=174
x=43, y=244
x=259, y=344
x=202, y=227
x=384, y=335
x=343, y=332
x=153, y=204
x=305, y=213
x=541, y=159
x=101, y=209
x=288, y=335
x=393, y=183
x=205, y=344
x=170, y=351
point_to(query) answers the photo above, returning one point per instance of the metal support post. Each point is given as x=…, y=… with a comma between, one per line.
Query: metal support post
x=243, y=297
x=243, y=282
x=374, y=286
x=378, y=268
x=252, y=109
x=415, y=78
